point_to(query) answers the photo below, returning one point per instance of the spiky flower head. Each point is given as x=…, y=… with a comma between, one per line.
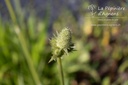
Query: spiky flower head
x=61, y=44
x=64, y=39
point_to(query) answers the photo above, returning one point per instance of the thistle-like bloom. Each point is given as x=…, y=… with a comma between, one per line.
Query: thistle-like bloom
x=61, y=44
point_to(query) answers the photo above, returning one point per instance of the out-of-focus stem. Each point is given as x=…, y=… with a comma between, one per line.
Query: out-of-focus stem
x=27, y=56
x=11, y=11
x=23, y=44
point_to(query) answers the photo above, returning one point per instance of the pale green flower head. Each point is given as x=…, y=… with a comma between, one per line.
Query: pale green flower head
x=64, y=39
x=61, y=44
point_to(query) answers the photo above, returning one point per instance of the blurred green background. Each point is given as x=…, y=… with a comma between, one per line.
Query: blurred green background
x=26, y=25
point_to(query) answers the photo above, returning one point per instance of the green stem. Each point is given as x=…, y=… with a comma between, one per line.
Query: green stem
x=11, y=11
x=23, y=44
x=60, y=70
x=28, y=57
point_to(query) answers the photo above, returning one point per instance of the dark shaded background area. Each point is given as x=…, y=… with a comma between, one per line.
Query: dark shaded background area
x=102, y=51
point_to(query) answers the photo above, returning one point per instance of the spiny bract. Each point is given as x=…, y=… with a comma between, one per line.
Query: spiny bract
x=61, y=44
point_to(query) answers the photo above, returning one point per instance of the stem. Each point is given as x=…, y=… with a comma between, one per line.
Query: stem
x=11, y=11
x=23, y=45
x=60, y=70
x=28, y=57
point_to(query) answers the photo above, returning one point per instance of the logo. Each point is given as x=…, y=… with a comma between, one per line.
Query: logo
x=106, y=11
x=92, y=8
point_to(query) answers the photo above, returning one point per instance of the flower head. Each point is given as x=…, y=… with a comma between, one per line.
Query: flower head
x=61, y=44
